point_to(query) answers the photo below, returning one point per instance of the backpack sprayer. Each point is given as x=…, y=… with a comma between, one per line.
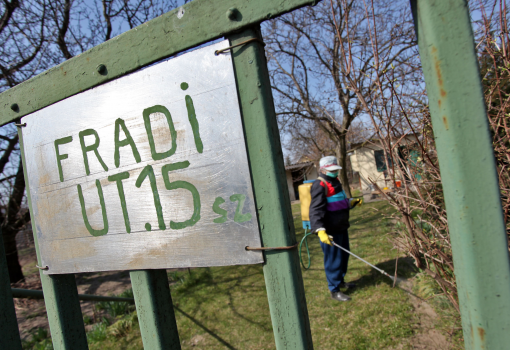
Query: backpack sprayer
x=306, y=199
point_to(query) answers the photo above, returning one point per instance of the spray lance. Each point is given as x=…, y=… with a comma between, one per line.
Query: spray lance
x=305, y=197
x=366, y=262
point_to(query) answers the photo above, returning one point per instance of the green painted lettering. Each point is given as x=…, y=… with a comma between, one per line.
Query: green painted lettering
x=92, y=147
x=92, y=231
x=195, y=217
x=61, y=157
x=192, y=117
x=216, y=208
x=239, y=216
x=174, y=166
x=120, y=187
x=148, y=128
x=120, y=123
x=148, y=171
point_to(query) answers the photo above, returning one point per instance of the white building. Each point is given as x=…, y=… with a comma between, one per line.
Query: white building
x=368, y=161
x=296, y=174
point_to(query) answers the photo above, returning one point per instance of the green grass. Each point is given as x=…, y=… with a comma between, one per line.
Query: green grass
x=116, y=308
x=227, y=307
x=379, y=316
x=39, y=340
x=356, y=193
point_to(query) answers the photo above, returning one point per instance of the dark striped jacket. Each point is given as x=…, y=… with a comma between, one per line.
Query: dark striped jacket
x=330, y=206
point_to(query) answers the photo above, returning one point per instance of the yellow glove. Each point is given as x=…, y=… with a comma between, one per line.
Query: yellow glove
x=355, y=201
x=324, y=237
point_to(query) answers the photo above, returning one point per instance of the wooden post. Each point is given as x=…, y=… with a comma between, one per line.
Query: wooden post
x=282, y=272
x=468, y=169
x=155, y=310
x=60, y=295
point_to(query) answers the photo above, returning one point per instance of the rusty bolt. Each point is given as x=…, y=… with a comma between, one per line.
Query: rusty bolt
x=101, y=69
x=232, y=13
x=15, y=107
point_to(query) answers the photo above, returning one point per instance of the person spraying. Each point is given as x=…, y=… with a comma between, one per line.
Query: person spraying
x=329, y=219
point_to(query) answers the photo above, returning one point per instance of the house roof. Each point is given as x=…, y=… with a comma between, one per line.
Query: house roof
x=297, y=166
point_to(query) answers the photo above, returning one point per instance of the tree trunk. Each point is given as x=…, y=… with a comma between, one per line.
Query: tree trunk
x=341, y=155
x=11, y=255
x=12, y=223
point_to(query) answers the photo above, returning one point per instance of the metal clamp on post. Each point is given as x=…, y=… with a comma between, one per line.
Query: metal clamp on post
x=273, y=248
x=217, y=52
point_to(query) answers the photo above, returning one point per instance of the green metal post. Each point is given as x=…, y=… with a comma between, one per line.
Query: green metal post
x=60, y=296
x=468, y=169
x=282, y=273
x=155, y=310
x=9, y=331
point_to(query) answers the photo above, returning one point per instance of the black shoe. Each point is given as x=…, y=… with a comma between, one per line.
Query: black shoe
x=348, y=285
x=339, y=296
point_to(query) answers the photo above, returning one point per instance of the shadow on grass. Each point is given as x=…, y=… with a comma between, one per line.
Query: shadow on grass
x=198, y=323
x=242, y=316
x=221, y=286
x=405, y=270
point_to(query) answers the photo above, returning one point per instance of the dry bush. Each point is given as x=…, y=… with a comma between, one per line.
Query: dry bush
x=402, y=123
x=493, y=44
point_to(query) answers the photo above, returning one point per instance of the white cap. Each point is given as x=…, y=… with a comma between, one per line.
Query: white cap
x=329, y=163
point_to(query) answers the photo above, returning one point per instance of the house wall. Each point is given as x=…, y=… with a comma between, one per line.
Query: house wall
x=312, y=173
x=290, y=185
x=363, y=161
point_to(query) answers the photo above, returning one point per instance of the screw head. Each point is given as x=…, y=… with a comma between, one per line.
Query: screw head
x=15, y=107
x=232, y=13
x=101, y=69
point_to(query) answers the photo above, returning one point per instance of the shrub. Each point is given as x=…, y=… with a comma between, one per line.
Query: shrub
x=117, y=308
x=98, y=331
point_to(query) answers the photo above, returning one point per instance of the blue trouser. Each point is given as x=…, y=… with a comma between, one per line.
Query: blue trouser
x=336, y=260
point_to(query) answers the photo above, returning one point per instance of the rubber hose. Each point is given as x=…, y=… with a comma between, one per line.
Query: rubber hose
x=307, y=250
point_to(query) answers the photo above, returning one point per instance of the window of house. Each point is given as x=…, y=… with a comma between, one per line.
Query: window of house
x=379, y=161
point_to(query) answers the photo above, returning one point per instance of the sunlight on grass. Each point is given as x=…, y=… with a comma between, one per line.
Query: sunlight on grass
x=378, y=316
x=227, y=307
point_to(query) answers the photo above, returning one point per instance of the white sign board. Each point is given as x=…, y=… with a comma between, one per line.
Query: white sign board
x=148, y=171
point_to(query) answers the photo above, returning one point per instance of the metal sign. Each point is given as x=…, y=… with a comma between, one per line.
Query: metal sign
x=147, y=171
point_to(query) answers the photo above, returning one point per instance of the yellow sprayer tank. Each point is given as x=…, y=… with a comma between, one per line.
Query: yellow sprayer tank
x=306, y=198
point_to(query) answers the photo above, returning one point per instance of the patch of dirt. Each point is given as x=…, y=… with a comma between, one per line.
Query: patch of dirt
x=101, y=283
x=196, y=340
x=426, y=336
x=31, y=313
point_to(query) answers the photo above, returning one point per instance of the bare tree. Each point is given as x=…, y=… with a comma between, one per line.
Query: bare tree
x=312, y=76
x=398, y=110
x=308, y=142
x=23, y=47
x=36, y=35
